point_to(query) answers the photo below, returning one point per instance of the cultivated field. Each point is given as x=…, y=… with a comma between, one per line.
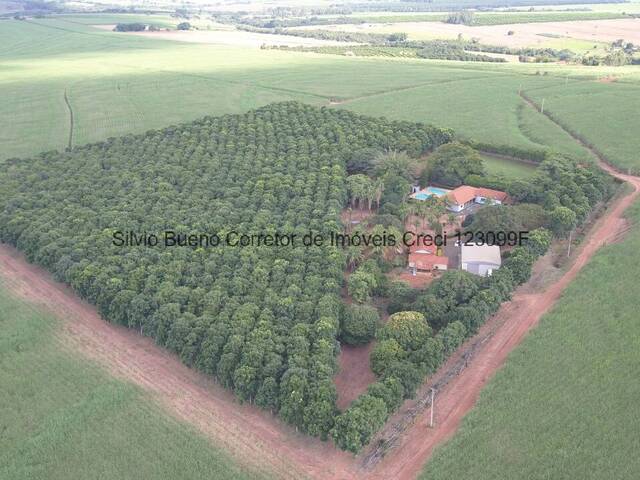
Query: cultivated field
x=525, y=34
x=496, y=165
x=64, y=83
x=117, y=84
x=223, y=35
x=63, y=417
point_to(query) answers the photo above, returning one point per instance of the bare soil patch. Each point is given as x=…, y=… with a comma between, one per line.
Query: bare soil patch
x=525, y=34
x=355, y=375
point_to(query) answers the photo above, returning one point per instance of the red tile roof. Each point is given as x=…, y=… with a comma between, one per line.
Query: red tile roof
x=465, y=193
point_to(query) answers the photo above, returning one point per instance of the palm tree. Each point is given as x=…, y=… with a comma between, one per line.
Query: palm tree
x=354, y=256
x=378, y=187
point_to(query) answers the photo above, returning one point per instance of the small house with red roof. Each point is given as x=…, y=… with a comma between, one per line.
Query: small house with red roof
x=464, y=196
x=424, y=260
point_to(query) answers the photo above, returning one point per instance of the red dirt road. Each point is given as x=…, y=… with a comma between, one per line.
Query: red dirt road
x=253, y=437
x=256, y=438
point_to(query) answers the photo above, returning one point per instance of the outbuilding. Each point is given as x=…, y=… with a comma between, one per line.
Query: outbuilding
x=480, y=259
x=425, y=261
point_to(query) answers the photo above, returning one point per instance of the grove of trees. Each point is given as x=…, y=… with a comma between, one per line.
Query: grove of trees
x=263, y=320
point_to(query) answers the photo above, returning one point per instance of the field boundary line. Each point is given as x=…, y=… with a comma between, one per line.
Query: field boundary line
x=411, y=87
x=71, y=120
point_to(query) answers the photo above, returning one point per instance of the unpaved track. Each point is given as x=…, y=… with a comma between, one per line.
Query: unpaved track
x=256, y=438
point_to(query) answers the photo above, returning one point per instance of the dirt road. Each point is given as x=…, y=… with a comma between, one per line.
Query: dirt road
x=254, y=437
x=258, y=439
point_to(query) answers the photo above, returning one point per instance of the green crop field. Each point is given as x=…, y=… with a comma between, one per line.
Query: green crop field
x=508, y=168
x=119, y=83
x=64, y=418
x=565, y=404
x=603, y=114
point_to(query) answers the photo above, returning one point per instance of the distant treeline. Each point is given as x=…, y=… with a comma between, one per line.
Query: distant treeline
x=377, y=44
x=130, y=27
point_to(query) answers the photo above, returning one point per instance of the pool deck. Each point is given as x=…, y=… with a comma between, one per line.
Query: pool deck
x=429, y=191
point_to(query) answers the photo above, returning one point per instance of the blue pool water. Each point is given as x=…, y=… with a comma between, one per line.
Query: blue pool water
x=429, y=191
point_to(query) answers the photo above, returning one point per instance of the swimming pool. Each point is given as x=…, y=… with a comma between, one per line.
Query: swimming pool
x=430, y=191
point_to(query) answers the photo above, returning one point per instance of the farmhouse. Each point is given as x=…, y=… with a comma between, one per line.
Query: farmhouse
x=423, y=260
x=465, y=196
x=480, y=259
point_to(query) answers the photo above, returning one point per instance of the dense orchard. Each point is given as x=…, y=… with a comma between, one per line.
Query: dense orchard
x=263, y=320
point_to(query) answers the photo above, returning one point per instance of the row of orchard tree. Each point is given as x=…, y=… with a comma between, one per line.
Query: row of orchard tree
x=263, y=320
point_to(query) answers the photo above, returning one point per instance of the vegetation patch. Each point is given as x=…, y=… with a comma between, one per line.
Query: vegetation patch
x=263, y=320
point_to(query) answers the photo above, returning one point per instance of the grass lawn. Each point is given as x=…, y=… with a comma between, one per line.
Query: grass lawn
x=508, y=168
x=63, y=418
x=565, y=405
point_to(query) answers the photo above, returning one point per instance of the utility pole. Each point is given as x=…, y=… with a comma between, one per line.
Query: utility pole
x=433, y=392
x=569, y=247
x=542, y=107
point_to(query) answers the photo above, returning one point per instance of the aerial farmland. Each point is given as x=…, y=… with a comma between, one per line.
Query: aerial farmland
x=354, y=240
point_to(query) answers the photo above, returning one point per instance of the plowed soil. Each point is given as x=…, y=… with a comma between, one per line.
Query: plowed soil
x=257, y=438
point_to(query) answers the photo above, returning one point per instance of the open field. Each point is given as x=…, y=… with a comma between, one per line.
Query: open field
x=492, y=18
x=60, y=95
x=509, y=168
x=118, y=84
x=564, y=405
x=232, y=37
x=64, y=418
x=603, y=114
x=525, y=34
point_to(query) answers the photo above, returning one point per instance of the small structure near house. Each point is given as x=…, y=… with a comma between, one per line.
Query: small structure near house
x=480, y=259
x=465, y=195
x=423, y=261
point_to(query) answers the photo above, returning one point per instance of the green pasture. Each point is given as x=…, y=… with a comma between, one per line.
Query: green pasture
x=165, y=21
x=605, y=115
x=506, y=167
x=61, y=417
x=565, y=404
